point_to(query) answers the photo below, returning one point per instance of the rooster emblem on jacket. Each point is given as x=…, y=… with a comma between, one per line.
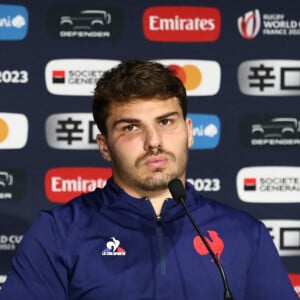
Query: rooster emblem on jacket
x=214, y=241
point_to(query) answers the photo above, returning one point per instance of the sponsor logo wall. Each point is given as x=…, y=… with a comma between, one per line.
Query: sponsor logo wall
x=240, y=64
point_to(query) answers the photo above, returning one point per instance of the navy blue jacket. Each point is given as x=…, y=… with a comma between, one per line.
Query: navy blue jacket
x=109, y=245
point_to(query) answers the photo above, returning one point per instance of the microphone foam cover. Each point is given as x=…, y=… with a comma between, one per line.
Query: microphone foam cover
x=177, y=190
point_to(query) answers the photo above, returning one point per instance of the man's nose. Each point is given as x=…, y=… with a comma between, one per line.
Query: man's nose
x=152, y=138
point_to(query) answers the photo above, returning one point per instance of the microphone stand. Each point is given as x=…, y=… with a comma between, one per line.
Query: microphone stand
x=227, y=293
x=179, y=194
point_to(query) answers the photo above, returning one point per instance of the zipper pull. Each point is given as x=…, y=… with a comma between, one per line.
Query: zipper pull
x=158, y=220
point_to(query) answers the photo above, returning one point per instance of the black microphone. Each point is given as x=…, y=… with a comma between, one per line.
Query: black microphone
x=178, y=193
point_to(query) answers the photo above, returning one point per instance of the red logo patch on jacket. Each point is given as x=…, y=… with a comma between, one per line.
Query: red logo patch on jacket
x=214, y=241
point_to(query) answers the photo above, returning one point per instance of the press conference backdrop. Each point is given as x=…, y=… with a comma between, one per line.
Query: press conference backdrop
x=239, y=61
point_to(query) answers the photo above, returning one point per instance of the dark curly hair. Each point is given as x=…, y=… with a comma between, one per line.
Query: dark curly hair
x=135, y=79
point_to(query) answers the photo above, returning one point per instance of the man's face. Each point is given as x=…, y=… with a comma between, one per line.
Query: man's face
x=147, y=143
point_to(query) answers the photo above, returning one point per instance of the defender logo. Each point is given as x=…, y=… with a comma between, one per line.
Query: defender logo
x=86, y=19
x=84, y=23
x=270, y=131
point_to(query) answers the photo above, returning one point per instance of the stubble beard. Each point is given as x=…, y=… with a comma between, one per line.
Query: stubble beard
x=159, y=177
x=158, y=181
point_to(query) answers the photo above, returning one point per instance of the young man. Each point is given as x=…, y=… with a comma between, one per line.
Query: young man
x=131, y=240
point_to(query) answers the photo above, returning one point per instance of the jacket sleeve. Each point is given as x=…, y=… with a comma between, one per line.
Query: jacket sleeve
x=38, y=268
x=267, y=277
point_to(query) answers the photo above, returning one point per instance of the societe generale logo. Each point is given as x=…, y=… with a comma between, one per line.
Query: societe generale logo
x=13, y=130
x=182, y=24
x=269, y=184
x=76, y=77
x=200, y=77
x=63, y=184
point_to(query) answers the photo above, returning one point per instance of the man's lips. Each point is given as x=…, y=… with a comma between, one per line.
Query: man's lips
x=156, y=161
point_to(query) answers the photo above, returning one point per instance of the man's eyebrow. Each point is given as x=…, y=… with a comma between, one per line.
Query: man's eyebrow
x=169, y=114
x=125, y=120
x=134, y=120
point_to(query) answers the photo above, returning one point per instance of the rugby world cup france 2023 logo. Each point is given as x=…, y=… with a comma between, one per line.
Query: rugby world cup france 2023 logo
x=249, y=24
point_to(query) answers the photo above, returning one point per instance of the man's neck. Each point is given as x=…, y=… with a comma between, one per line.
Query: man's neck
x=157, y=201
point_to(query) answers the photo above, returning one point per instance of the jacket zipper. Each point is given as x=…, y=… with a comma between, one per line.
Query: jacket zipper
x=161, y=245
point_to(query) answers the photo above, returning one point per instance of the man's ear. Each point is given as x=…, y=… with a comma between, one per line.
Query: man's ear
x=102, y=144
x=189, y=126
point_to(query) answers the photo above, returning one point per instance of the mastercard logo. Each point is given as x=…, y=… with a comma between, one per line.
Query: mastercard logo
x=190, y=75
x=199, y=77
x=13, y=130
x=3, y=130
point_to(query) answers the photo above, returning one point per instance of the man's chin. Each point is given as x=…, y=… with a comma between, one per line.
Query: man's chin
x=156, y=182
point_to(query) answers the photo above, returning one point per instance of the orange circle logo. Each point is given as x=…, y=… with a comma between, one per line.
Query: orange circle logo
x=3, y=130
x=190, y=75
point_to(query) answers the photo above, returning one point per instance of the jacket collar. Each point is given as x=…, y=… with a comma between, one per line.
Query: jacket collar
x=117, y=199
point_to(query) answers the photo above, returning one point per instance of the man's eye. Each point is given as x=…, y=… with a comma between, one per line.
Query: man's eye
x=166, y=122
x=130, y=127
